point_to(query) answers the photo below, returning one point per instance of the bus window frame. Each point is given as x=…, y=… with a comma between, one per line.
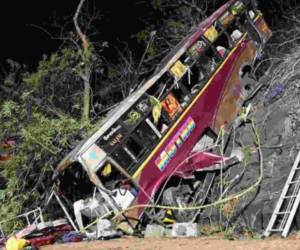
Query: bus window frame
x=127, y=136
x=139, y=143
x=168, y=80
x=216, y=54
x=121, y=172
x=177, y=82
x=209, y=45
x=133, y=166
x=224, y=32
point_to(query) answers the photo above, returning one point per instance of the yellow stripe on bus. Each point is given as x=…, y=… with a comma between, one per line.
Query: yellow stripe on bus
x=186, y=110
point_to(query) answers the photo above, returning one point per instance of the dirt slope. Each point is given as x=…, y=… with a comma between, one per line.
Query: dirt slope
x=211, y=243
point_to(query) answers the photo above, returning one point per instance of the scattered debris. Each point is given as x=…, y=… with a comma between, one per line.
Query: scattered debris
x=13, y=243
x=187, y=229
x=32, y=218
x=41, y=241
x=154, y=231
x=37, y=232
x=72, y=236
x=105, y=230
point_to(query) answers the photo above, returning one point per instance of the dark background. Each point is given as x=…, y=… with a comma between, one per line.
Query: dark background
x=24, y=43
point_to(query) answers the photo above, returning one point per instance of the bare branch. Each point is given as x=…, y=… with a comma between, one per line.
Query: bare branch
x=60, y=37
x=152, y=35
x=194, y=6
x=82, y=36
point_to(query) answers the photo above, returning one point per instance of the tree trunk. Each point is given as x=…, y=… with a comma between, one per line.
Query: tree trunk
x=85, y=75
x=85, y=118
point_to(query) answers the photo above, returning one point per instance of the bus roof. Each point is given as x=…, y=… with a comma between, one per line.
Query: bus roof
x=163, y=67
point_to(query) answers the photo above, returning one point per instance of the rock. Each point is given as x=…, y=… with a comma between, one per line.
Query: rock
x=168, y=232
x=154, y=231
x=277, y=125
x=186, y=229
x=125, y=228
x=105, y=229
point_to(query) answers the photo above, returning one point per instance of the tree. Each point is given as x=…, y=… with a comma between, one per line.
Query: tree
x=85, y=72
x=41, y=112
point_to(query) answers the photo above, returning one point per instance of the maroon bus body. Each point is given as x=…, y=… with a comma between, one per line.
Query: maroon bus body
x=214, y=107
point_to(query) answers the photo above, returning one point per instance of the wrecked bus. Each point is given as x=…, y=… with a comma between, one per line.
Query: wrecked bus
x=144, y=152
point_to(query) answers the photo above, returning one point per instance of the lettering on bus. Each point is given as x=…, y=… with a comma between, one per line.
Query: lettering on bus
x=111, y=132
x=116, y=139
x=176, y=142
x=112, y=137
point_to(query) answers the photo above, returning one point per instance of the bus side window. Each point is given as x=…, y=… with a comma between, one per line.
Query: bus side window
x=226, y=19
x=125, y=159
x=135, y=148
x=235, y=31
x=190, y=80
x=223, y=44
x=146, y=134
x=196, y=49
x=246, y=25
x=160, y=85
x=131, y=118
x=114, y=180
x=110, y=176
x=209, y=61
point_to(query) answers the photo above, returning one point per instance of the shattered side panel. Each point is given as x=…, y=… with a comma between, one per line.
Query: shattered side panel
x=175, y=147
x=233, y=96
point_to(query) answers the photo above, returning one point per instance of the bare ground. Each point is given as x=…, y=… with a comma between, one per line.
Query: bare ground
x=207, y=243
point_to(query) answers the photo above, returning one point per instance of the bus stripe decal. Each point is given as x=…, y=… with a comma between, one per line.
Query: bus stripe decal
x=185, y=111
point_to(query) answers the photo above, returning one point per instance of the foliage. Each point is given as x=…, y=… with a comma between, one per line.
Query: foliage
x=58, y=77
x=229, y=207
x=247, y=152
x=42, y=135
x=229, y=233
x=142, y=36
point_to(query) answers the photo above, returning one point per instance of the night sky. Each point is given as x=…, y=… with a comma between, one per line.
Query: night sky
x=26, y=44
x=22, y=42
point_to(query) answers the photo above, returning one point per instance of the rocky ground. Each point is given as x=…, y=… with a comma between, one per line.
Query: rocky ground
x=276, y=113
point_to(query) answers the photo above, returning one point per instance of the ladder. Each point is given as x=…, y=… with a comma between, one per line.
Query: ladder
x=286, y=207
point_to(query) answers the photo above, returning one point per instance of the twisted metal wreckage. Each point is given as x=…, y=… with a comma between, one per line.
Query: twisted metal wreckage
x=156, y=155
x=159, y=145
